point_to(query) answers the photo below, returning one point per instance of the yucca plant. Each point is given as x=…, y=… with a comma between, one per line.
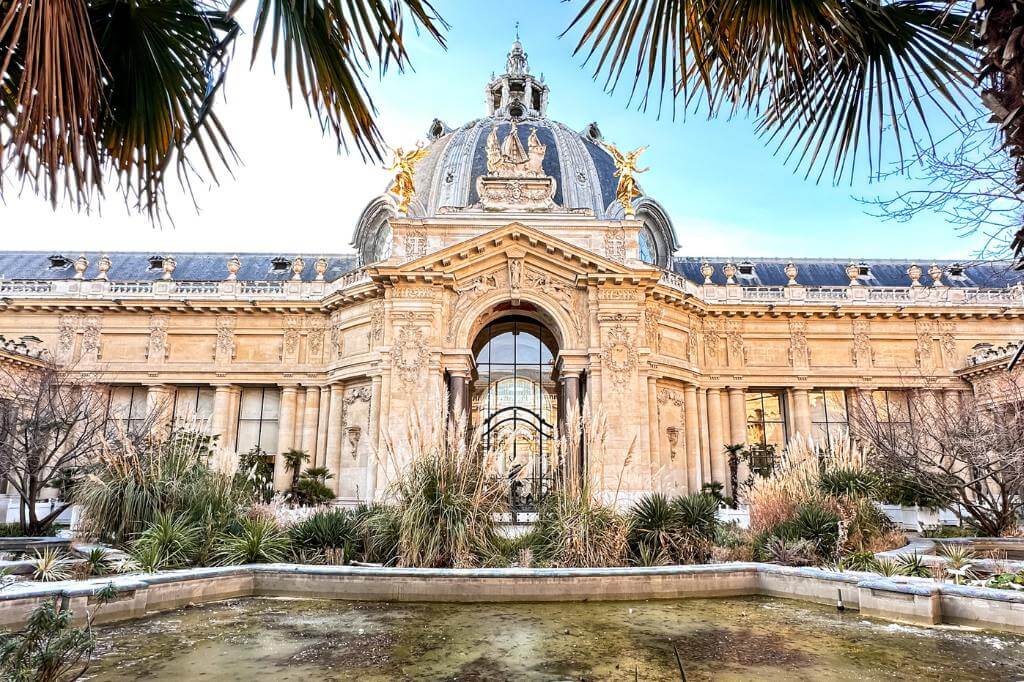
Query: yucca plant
x=960, y=560
x=168, y=542
x=889, y=567
x=333, y=530
x=380, y=528
x=819, y=526
x=789, y=552
x=256, y=541
x=97, y=562
x=914, y=566
x=51, y=565
x=849, y=482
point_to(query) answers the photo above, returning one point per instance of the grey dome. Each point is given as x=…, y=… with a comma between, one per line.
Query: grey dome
x=583, y=170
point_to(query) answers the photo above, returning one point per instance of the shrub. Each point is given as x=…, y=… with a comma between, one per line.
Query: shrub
x=789, y=552
x=96, y=562
x=651, y=527
x=577, y=530
x=255, y=541
x=168, y=542
x=50, y=648
x=912, y=490
x=255, y=474
x=334, y=532
x=312, y=492
x=914, y=566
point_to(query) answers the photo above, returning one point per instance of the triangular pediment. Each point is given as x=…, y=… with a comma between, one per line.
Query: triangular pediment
x=515, y=240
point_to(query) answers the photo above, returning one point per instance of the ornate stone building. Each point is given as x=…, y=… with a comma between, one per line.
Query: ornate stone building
x=517, y=280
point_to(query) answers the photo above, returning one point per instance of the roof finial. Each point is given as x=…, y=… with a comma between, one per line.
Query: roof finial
x=517, y=31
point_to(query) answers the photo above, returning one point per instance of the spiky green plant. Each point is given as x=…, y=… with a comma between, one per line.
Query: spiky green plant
x=960, y=560
x=168, y=542
x=256, y=541
x=328, y=529
x=96, y=561
x=50, y=565
x=819, y=526
x=889, y=567
x=914, y=566
x=380, y=530
x=849, y=482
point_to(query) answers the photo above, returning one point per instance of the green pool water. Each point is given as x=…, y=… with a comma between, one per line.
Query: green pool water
x=758, y=637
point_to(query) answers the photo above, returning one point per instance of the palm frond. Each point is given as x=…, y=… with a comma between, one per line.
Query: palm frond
x=328, y=48
x=823, y=76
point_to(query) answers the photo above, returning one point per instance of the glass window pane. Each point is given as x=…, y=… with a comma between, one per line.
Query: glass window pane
x=527, y=343
x=271, y=403
x=120, y=402
x=772, y=407
x=248, y=434
x=881, y=405
x=836, y=402
x=755, y=433
x=899, y=409
x=268, y=437
x=818, y=414
x=503, y=348
x=139, y=407
x=251, y=404
x=775, y=434
x=184, y=402
x=204, y=403
x=820, y=434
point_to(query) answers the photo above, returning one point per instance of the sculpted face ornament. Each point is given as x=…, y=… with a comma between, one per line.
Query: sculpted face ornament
x=673, y=440
x=625, y=168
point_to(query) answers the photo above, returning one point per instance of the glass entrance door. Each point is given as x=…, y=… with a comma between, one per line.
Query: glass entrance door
x=515, y=399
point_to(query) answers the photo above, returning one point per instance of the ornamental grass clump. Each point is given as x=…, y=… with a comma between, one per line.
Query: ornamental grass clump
x=137, y=480
x=329, y=536
x=254, y=540
x=447, y=495
x=576, y=527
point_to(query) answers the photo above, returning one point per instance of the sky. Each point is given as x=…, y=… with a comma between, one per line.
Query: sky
x=295, y=192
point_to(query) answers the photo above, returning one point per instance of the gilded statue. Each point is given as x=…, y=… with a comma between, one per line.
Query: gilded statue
x=625, y=168
x=402, y=186
x=509, y=158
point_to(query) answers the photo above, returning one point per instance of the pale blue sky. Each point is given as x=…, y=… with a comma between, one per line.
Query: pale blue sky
x=725, y=191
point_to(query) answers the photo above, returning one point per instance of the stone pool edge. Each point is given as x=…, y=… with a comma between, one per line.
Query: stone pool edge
x=906, y=600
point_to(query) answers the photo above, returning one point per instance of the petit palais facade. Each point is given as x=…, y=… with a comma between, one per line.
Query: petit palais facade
x=518, y=269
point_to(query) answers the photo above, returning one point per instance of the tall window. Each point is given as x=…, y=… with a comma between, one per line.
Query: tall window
x=766, y=419
x=128, y=406
x=258, y=413
x=892, y=409
x=829, y=416
x=193, y=407
x=515, y=400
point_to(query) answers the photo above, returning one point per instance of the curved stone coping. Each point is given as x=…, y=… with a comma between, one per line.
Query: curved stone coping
x=901, y=599
x=926, y=549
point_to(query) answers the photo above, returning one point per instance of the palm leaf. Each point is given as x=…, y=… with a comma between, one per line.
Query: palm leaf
x=823, y=76
x=327, y=48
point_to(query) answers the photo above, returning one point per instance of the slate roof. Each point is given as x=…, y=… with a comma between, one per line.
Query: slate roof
x=135, y=267
x=832, y=272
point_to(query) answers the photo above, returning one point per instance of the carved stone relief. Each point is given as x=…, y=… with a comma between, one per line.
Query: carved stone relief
x=564, y=293
x=862, y=355
x=734, y=339
x=315, y=339
x=947, y=341
x=67, y=329
x=377, y=322
x=157, y=350
x=799, y=351
x=415, y=244
x=91, y=338
x=410, y=354
x=290, y=347
x=652, y=327
x=620, y=356
x=224, y=349
x=713, y=340
x=692, y=349
x=615, y=244
x=925, y=330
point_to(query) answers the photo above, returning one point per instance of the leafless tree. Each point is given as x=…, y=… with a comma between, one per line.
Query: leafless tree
x=966, y=179
x=52, y=424
x=968, y=452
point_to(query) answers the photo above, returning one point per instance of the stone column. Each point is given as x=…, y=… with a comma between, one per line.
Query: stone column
x=458, y=395
x=801, y=412
x=374, y=436
x=693, y=477
x=285, y=436
x=321, y=426
x=309, y=423
x=334, y=435
x=716, y=437
x=737, y=416
x=726, y=421
x=654, y=428
x=234, y=405
x=219, y=425
x=300, y=414
x=570, y=388
x=705, y=441
x=852, y=411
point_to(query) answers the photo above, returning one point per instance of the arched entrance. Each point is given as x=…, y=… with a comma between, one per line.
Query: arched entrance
x=515, y=399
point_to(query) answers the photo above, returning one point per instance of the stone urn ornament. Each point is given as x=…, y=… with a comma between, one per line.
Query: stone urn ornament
x=234, y=265
x=169, y=265
x=298, y=265
x=81, y=264
x=914, y=273
x=103, y=266
x=729, y=270
x=791, y=272
x=853, y=272
x=320, y=266
x=354, y=433
x=935, y=272
x=706, y=271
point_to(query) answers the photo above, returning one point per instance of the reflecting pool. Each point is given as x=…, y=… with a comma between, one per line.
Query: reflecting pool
x=742, y=638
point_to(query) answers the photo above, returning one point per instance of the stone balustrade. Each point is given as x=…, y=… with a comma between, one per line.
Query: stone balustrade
x=853, y=295
x=170, y=289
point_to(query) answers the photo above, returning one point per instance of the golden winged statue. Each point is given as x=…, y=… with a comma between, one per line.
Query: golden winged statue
x=625, y=168
x=403, y=165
